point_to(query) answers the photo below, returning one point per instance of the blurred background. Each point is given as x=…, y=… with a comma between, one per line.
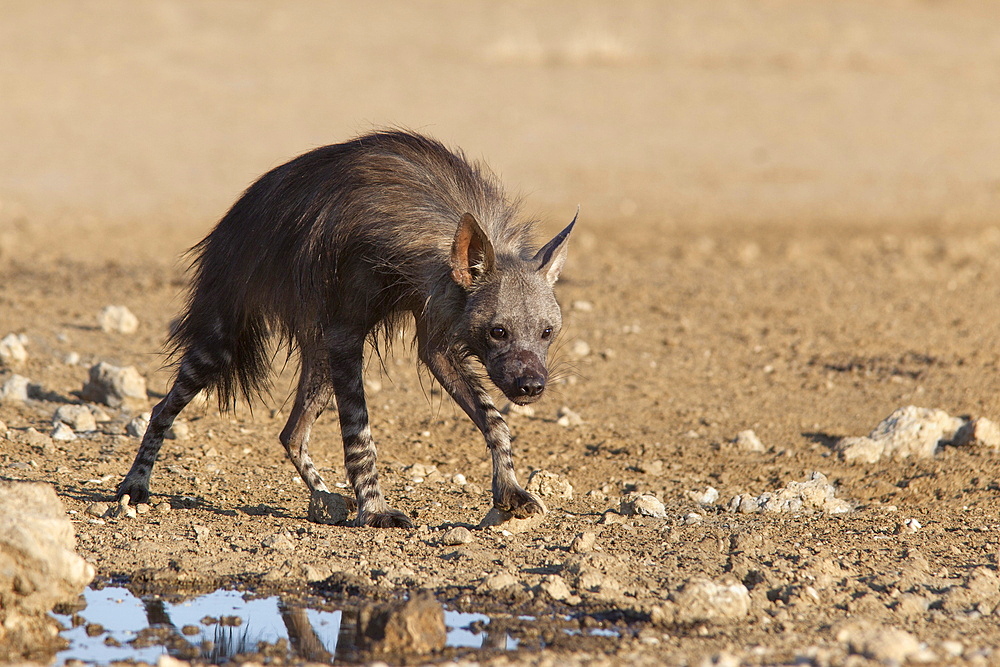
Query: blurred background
x=123, y=113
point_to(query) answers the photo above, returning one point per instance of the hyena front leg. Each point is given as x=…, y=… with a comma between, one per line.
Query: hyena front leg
x=311, y=398
x=463, y=386
x=346, y=373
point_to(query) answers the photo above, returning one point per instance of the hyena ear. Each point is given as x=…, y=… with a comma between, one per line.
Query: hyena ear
x=552, y=256
x=472, y=252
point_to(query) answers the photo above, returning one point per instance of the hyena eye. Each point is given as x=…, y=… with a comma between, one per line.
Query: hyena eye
x=498, y=332
x=547, y=333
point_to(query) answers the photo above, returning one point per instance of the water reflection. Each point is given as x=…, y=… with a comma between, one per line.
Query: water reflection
x=223, y=625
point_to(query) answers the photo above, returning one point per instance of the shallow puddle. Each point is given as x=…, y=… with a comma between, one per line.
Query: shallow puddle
x=115, y=625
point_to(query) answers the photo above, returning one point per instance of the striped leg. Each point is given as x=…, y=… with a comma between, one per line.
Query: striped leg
x=346, y=372
x=463, y=386
x=311, y=399
x=194, y=375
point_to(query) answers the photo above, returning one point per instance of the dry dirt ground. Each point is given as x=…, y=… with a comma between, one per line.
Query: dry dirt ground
x=788, y=225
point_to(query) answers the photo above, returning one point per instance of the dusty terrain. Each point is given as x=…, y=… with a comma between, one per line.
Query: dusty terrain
x=789, y=224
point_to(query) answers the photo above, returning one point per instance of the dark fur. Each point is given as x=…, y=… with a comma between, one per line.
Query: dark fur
x=336, y=247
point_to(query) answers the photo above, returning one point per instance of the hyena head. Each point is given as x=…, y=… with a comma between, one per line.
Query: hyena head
x=511, y=315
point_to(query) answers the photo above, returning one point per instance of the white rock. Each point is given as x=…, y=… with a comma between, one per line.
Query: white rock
x=71, y=358
x=12, y=349
x=62, y=432
x=555, y=587
x=748, y=441
x=115, y=386
x=645, y=505
x=583, y=306
x=707, y=497
x=77, y=417
x=580, y=348
x=15, y=388
x=815, y=494
x=909, y=431
x=568, y=418
x=117, y=319
x=37, y=547
x=179, y=430
x=459, y=479
x=500, y=581
x=703, y=600
x=890, y=646
x=548, y=484
x=137, y=425
x=456, y=536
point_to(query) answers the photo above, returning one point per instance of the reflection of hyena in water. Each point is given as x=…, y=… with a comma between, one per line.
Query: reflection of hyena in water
x=336, y=247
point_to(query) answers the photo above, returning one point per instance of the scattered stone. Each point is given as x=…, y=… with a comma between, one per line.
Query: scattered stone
x=3, y=428
x=137, y=425
x=703, y=600
x=115, y=386
x=455, y=536
x=40, y=567
x=909, y=431
x=459, y=479
x=373, y=385
x=749, y=442
x=497, y=520
x=555, y=587
x=580, y=348
x=890, y=646
x=706, y=497
x=816, y=494
x=98, y=509
x=117, y=319
x=568, y=418
x=15, y=388
x=980, y=432
x=122, y=509
x=413, y=627
x=644, y=505
x=582, y=306
x=912, y=605
x=62, y=433
x=179, y=430
x=654, y=467
x=279, y=542
x=548, y=484
x=909, y=526
x=77, y=417
x=163, y=507
x=693, y=519
x=500, y=581
x=313, y=573
x=12, y=350
x=583, y=543
x=327, y=508
x=71, y=358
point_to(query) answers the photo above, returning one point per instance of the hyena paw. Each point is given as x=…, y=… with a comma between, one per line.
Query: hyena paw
x=520, y=503
x=388, y=519
x=137, y=491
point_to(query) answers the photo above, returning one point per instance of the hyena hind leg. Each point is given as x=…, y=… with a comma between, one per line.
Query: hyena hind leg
x=186, y=386
x=311, y=398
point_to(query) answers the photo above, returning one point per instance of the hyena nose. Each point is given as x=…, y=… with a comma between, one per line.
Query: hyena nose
x=533, y=385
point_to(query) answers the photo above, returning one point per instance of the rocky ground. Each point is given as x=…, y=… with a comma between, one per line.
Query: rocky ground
x=746, y=290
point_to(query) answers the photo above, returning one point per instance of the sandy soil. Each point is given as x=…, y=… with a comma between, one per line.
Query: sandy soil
x=788, y=225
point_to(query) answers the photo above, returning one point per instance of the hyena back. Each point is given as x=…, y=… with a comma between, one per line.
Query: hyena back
x=337, y=247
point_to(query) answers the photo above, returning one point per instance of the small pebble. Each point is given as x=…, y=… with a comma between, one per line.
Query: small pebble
x=583, y=306
x=748, y=441
x=455, y=536
x=138, y=425
x=459, y=479
x=62, y=433
x=98, y=509
x=77, y=417
x=583, y=543
x=163, y=507
x=117, y=319
x=568, y=418
x=580, y=348
x=15, y=389
x=12, y=349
